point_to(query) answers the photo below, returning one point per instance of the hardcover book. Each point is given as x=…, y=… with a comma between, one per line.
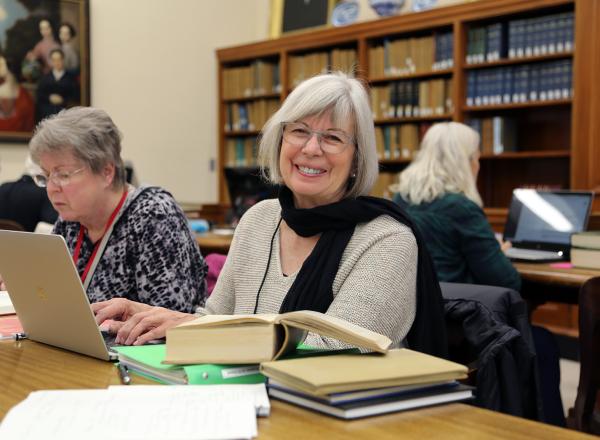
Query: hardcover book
x=247, y=339
x=324, y=375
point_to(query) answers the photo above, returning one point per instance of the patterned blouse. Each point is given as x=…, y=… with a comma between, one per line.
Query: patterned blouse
x=151, y=255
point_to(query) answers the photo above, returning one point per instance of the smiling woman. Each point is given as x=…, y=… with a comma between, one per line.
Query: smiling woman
x=324, y=245
x=126, y=242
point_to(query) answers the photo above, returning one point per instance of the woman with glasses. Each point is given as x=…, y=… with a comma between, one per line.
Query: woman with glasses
x=126, y=242
x=323, y=245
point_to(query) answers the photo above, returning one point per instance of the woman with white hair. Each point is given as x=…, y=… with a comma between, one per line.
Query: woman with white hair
x=439, y=191
x=126, y=242
x=323, y=245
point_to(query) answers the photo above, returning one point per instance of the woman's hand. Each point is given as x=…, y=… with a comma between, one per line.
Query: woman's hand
x=2, y=285
x=148, y=325
x=119, y=309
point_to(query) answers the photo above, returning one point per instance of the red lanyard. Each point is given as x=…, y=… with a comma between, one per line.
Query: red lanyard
x=111, y=219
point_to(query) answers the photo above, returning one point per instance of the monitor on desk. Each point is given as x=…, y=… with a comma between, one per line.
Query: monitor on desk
x=545, y=220
x=246, y=188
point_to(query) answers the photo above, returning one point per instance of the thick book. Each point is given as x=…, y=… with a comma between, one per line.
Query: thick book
x=147, y=360
x=585, y=258
x=248, y=339
x=586, y=240
x=324, y=375
x=381, y=405
x=368, y=394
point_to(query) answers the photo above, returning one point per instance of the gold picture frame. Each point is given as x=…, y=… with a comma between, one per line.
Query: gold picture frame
x=34, y=37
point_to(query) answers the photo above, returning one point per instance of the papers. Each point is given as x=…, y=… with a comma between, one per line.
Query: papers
x=6, y=307
x=138, y=412
x=256, y=393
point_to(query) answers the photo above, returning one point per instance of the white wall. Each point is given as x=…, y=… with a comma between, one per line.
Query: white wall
x=154, y=70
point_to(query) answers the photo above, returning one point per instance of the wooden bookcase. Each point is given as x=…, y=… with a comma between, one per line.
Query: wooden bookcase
x=558, y=140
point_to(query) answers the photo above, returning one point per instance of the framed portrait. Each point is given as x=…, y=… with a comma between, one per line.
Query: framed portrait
x=44, y=62
x=297, y=15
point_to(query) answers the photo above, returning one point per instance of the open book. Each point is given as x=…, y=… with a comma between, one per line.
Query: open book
x=247, y=339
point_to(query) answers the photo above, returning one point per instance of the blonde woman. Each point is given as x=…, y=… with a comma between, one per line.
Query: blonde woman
x=439, y=191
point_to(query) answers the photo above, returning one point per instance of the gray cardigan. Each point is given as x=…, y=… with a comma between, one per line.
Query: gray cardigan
x=375, y=286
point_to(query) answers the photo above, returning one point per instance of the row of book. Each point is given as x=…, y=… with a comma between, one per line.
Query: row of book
x=411, y=55
x=518, y=84
x=498, y=134
x=302, y=67
x=399, y=141
x=259, y=78
x=536, y=36
x=241, y=151
x=403, y=99
x=250, y=115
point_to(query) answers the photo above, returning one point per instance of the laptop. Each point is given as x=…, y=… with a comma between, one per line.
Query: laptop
x=47, y=293
x=540, y=223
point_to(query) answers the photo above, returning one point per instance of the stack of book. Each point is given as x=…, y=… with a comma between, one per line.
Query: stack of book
x=351, y=386
x=585, y=249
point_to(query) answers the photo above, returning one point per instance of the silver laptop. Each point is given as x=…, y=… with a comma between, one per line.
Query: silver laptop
x=540, y=223
x=47, y=293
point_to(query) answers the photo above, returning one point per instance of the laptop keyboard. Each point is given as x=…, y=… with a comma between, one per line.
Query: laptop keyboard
x=531, y=254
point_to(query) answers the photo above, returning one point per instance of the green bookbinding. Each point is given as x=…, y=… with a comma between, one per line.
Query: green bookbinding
x=147, y=360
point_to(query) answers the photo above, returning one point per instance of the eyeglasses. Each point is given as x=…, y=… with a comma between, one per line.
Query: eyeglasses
x=333, y=141
x=59, y=178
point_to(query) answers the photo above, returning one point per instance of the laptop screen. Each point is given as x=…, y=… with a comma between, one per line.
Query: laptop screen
x=546, y=219
x=246, y=188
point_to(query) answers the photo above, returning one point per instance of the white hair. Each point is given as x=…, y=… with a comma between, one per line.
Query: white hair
x=345, y=99
x=88, y=133
x=442, y=165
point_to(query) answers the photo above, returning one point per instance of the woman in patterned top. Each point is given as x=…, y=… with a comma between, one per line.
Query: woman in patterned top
x=126, y=242
x=439, y=191
x=324, y=245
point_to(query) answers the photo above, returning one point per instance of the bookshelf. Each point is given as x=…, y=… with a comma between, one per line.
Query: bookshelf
x=423, y=68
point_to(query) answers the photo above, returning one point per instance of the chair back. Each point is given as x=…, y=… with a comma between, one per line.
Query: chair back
x=488, y=331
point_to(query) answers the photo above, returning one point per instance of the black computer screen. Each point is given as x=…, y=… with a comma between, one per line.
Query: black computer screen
x=547, y=216
x=246, y=188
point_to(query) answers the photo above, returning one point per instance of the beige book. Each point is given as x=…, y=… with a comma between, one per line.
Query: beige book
x=586, y=258
x=249, y=339
x=322, y=375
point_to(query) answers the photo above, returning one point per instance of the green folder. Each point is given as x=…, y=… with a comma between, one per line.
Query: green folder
x=146, y=360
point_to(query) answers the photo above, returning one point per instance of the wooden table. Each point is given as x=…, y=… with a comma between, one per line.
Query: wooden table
x=27, y=366
x=541, y=283
x=213, y=243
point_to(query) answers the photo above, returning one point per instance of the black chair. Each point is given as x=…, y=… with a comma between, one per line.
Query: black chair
x=488, y=330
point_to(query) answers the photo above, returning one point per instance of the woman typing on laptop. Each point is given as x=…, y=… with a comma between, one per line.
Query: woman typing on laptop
x=322, y=246
x=126, y=242
x=439, y=191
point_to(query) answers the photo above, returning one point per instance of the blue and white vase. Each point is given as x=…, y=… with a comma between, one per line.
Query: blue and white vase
x=385, y=8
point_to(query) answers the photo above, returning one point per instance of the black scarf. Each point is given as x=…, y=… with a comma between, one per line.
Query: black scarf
x=312, y=289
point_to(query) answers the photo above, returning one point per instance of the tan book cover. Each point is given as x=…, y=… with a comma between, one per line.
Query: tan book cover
x=585, y=258
x=587, y=240
x=322, y=375
x=248, y=339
